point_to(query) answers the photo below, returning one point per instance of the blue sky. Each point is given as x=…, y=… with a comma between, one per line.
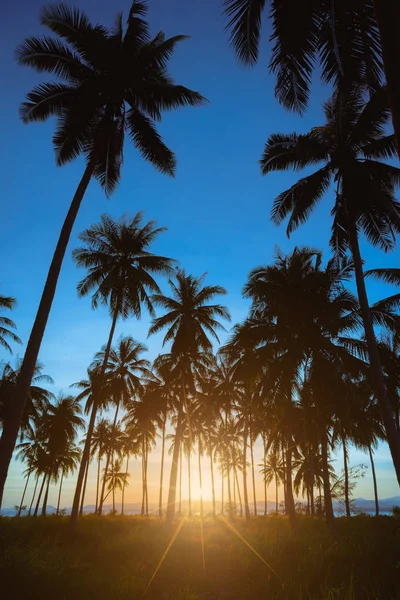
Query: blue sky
x=216, y=209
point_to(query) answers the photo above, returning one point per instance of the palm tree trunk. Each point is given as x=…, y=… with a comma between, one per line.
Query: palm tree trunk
x=84, y=489
x=253, y=476
x=245, y=495
x=124, y=485
x=174, y=469
x=147, y=491
x=312, y=504
x=290, y=507
x=98, y=482
x=222, y=491
x=327, y=486
x=160, y=510
x=200, y=481
x=143, y=479
x=110, y=458
x=387, y=15
x=23, y=495
x=180, y=481
x=44, y=507
x=276, y=493
x=12, y=424
x=346, y=477
x=33, y=495
x=239, y=495
x=113, y=498
x=377, y=378
x=40, y=495
x=212, y=483
x=88, y=440
x=371, y=457
x=189, y=485
x=59, y=493
x=265, y=482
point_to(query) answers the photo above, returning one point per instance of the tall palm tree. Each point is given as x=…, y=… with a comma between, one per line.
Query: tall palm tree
x=273, y=470
x=94, y=110
x=349, y=147
x=6, y=324
x=120, y=274
x=352, y=40
x=189, y=320
x=100, y=437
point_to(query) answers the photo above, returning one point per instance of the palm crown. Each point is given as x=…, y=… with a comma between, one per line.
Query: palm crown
x=110, y=82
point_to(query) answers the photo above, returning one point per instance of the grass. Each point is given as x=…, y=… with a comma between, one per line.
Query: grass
x=115, y=557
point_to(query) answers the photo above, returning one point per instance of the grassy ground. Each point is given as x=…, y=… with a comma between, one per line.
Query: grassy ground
x=115, y=557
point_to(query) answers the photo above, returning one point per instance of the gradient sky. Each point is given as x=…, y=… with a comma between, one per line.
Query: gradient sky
x=216, y=209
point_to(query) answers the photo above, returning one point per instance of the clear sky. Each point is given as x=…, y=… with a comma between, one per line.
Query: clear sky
x=216, y=209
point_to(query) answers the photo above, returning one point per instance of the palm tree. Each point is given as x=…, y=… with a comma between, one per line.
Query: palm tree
x=116, y=479
x=6, y=324
x=273, y=470
x=94, y=110
x=348, y=146
x=100, y=438
x=352, y=40
x=67, y=462
x=188, y=320
x=116, y=253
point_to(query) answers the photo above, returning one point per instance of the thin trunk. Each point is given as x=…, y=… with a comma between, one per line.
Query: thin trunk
x=113, y=493
x=180, y=481
x=377, y=378
x=265, y=482
x=200, y=481
x=143, y=479
x=253, y=475
x=290, y=507
x=189, y=486
x=88, y=440
x=23, y=495
x=212, y=484
x=84, y=489
x=276, y=493
x=284, y=475
x=245, y=496
x=33, y=495
x=98, y=482
x=124, y=484
x=228, y=481
x=371, y=457
x=160, y=510
x=147, y=492
x=222, y=492
x=46, y=496
x=59, y=493
x=312, y=500
x=239, y=495
x=40, y=495
x=12, y=423
x=346, y=477
x=174, y=469
x=387, y=13
x=109, y=459
x=327, y=485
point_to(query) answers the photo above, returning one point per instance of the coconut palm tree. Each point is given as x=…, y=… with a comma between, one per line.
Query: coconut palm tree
x=120, y=274
x=273, y=470
x=100, y=440
x=351, y=40
x=349, y=147
x=7, y=325
x=94, y=110
x=67, y=462
x=189, y=321
x=116, y=479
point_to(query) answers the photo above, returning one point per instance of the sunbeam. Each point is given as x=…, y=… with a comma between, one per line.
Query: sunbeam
x=168, y=548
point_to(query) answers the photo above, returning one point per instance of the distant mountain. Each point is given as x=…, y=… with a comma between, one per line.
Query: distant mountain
x=133, y=508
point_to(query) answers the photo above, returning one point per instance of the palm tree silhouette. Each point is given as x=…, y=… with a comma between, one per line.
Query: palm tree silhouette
x=6, y=324
x=348, y=146
x=108, y=82
x=189, y=321
x=116, y=253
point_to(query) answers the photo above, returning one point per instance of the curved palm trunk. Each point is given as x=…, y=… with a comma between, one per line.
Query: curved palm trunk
x=189, y=486
x=46, y=496
x=378, y=382
x=98, y=482
x=245, y=495
x=346, y=477
x=212, y=484
x=174, y=470
x=124, y=485
x=387, y=15
x=371, y=457
x=84, y=490
x=23, y=495
x=160, y=510
x=290, y=507
x=327, y=486
x=40, y=495
x=33, y=495
x=110, y=458
x=59, y=494
x=12, y=424
x=88, y=440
